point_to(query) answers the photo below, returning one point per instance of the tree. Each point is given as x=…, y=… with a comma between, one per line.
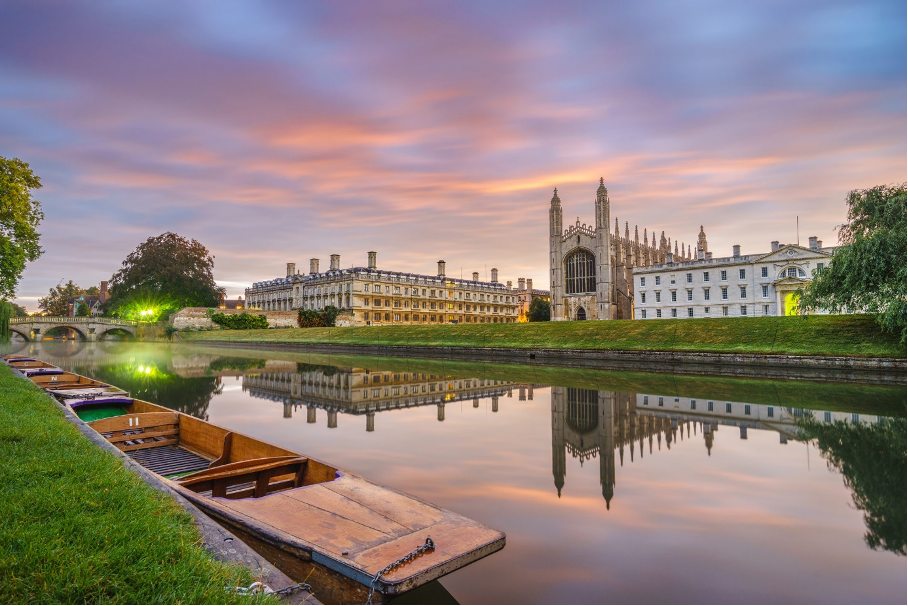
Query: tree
x=82, y=309
x=56, y=303
x=868, y=272
x=539, y=311
x=17, y=311
x=20, y=215
x=164, y=273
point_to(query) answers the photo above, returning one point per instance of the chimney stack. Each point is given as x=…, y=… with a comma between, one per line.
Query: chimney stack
x=104, y=295
x=291, y=269
x=372, y=264
x=819, y=244
x=494, y=275
x=530, y=285
x=521, y=284
x=774, y=246
x=669, y=258
x=812, y=242
x=335, y=261
x=313, y=266
x=441, y=269
x=701, y=254
x=509, y=285
x=736, y=250
x=476, y=276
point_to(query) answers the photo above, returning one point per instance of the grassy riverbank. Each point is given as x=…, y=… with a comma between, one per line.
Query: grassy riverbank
x=77, y=527
x=850, y=335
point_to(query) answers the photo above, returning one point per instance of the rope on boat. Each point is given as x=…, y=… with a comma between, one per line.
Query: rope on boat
x=429, y=545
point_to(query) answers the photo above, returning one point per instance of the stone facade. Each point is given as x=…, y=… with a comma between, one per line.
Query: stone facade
x=591, y=269
x=197, y=317
x=379, y=297
x=740, y=285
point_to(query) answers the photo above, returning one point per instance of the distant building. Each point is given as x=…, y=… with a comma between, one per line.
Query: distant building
x=591, y=270
x=95, y=303
x=525, y=296
x=225, y=303
x=377, y=297
x=740, y=285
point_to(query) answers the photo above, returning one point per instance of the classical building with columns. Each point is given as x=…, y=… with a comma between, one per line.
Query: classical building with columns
x=591, y=269
x=372, y=296
x=763, y=284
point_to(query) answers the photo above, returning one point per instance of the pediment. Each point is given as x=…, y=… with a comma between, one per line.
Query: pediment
x=791, y=252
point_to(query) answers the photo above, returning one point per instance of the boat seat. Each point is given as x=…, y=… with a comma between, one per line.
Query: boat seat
x=267, y=475
x=137, y=431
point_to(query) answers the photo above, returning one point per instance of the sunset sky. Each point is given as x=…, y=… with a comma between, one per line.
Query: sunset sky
x=279, y=131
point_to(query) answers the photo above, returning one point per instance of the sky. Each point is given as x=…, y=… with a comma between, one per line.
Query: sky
x=274, y=132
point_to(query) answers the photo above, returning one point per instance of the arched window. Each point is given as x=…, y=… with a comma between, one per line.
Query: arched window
x=580, y=272
x=792, y=272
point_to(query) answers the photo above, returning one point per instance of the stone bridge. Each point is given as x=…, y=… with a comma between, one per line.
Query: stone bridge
x=33, y=328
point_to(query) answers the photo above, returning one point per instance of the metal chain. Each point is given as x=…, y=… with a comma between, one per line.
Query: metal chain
x=259, y=587
x=429, y=545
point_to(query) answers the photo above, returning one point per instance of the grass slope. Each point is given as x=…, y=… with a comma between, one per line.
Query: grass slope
x=847, y=335
x=77, y=527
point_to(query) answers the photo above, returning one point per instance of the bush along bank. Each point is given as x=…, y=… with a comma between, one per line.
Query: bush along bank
x=77, y=527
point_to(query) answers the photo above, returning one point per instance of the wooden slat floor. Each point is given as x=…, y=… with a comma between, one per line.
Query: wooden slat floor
x=169, y=460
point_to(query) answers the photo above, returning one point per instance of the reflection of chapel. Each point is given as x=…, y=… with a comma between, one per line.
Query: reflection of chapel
x=591, y=270
x=588, y=424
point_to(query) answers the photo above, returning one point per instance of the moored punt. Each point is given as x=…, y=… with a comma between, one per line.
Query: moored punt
x=64, y=380
x=319, y=524
x=26, y=363
x=41, y=372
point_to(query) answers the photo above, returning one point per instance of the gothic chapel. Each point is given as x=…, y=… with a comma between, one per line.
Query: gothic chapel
x=591, y=270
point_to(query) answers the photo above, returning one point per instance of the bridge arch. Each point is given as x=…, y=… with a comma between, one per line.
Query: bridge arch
x=130, y=335
x=19, y=332
x=80, y=332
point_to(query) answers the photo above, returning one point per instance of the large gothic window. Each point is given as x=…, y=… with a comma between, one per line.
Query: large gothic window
x=580, y=272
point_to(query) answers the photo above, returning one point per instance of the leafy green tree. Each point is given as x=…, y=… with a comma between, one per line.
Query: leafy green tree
x=20, y=215
x=6, y=312
x=868, y=273
x=56, y=303
x=82, y=309
x=164, y=273
x=17, y=310
x=539, y=311
x=871, y=459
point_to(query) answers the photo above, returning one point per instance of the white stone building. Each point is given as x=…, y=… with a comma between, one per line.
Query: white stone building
x=377, y=296
x=740, y=285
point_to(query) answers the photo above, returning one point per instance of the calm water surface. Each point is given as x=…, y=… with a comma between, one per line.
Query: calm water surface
x=611, y=487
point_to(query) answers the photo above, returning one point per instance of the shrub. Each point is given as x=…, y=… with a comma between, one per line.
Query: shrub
x=240, y=321
x=309, y=318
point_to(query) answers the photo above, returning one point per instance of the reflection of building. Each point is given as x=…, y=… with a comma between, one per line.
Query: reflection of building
x=739, y=285
x=589, y=424
x=591, y=269
x=359, y=391
x=377, y=296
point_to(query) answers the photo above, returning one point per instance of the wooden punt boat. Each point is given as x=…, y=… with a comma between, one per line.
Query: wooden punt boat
x=321, y=525
x=64, y=380
x=26, y=363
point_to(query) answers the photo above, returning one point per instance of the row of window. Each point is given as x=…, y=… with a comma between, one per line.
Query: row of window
x=673, y=312
x=790, y=272
x=376, y=316
x=710, y=407
x=706, y=297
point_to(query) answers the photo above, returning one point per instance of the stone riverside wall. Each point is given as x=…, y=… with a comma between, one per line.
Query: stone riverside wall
x=196, y=317
x=839, y=369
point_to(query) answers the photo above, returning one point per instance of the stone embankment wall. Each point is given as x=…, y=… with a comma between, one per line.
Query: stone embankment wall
x=197, y=317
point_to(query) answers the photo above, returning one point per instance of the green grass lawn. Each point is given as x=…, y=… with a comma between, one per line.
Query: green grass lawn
x=76, y=527
x=847, y=335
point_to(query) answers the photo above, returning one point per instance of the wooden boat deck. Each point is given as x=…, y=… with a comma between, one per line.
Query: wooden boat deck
x=365, y=526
